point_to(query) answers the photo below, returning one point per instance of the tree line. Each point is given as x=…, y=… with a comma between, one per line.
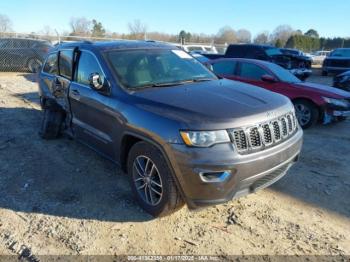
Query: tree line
x=281, y=36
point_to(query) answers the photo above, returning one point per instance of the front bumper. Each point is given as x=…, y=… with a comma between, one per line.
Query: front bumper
x=243, y=174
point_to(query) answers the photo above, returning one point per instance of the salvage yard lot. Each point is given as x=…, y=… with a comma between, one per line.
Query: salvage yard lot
x=58, y=197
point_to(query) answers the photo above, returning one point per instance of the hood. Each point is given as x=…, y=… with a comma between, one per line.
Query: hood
x=325, y=90
x=206, y=104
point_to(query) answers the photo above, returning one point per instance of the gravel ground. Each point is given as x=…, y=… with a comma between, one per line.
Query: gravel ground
x=60, y=198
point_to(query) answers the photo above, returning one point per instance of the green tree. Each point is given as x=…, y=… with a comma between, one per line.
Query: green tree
x=279, y=43
x=97, y=29
x=312, y=33
x=303, y=42
x=182, y=36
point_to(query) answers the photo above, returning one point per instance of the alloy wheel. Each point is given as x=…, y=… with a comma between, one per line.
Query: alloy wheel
x=147, y=180
x=303, y=114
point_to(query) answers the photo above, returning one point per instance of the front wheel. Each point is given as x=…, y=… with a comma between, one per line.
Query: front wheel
x=151, y=181
x=306, y=113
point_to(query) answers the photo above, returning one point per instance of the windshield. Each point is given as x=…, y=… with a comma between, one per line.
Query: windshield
x=341, y=53
x=157, y=67
x=290, y=51
x=273, y=51
x=283, y=74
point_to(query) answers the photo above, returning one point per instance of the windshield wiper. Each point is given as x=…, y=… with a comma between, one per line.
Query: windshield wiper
x=157, y=85
x=197, y=80
x=177, y=83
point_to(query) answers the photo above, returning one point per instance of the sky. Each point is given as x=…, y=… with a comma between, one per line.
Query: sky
x=329, y=18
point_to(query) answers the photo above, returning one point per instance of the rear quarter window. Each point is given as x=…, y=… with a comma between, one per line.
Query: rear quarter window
x=224, y=67
x=252, y=72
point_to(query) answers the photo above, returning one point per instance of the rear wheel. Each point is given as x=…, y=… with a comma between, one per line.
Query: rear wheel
x=307, y=113
x=51, y=124
x=151, y=181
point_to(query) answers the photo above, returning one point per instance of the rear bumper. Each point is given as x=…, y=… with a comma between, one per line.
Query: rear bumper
x=241, y=174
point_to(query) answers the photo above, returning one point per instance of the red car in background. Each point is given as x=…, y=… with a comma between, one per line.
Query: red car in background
x=312, y=102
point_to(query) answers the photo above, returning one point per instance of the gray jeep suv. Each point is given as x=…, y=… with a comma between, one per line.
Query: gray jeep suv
x=181, y=134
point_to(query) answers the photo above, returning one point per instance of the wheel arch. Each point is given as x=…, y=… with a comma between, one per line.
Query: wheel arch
x=129, y=139
x=319, y=108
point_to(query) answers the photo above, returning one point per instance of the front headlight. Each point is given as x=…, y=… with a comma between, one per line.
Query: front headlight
x=204, y=138
x=337, y=102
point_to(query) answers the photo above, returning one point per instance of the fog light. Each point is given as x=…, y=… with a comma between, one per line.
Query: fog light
x=214, y=177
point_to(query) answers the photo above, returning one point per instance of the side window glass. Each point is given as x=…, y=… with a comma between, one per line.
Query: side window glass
x=66, y=63
x=5, y=43
x=20, y=43
x=50, y=66
x=86, y=66
x=251, y=71
x=224, y=68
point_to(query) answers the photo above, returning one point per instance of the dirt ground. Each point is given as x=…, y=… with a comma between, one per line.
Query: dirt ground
x=60, y=198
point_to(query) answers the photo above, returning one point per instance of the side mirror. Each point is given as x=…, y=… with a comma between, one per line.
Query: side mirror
x=209, y=66
x=96, y=81
x=99, y=83
x=268, y=78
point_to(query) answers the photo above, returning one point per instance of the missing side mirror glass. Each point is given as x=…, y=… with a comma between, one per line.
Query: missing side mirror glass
x=96, y=81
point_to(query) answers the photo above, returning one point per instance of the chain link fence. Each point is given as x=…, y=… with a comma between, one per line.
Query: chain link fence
x=27, y=52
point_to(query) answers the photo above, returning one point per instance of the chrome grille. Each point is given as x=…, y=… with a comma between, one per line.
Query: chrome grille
x=276, y=130
x=264, y=135
x=267, y=134
x=240, y=140
x=290, y=123
x=284, y=127
x=254, y=137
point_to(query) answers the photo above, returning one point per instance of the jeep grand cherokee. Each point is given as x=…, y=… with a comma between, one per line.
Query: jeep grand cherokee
x=181, y=134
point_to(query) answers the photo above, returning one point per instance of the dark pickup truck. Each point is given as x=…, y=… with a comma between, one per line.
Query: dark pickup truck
x=300, y=66
x=337, y=62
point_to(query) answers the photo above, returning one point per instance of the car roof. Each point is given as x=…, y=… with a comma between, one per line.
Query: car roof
x=117, y=44
x=254, y=45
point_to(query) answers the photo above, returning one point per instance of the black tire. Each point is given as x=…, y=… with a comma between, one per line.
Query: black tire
x=324, y=73
x=34, y=65
x=170, y=199
x=51, y=124
x=312, y=110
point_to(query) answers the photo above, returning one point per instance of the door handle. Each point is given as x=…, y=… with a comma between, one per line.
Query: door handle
x=75, y=93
